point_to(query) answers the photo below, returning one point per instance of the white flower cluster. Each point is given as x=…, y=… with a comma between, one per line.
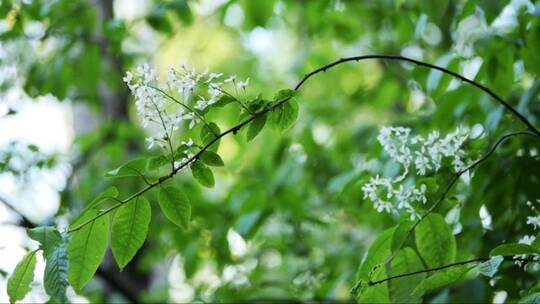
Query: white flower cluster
x=426, y=154
x=174, y=101
x=533, y=221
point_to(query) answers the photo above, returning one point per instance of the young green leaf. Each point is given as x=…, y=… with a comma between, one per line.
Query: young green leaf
x=136, y=167
x=208, y=134
x=49, y=238
x=56, y=272
x=175, y=205
x=284, y=116
x=129, y=229
x=490, y=267
x=86, y=249
x=18, y=284
x=442, y=278
x=223, y=101
x=159, y=161
x=284, y=94
x=255, y=127
x=435, y=241
x=202, y=174
x=514, y=249
x=211, y=159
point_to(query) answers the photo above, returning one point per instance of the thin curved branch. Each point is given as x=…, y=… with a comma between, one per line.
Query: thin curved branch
x=475, y=260
x=499, y=99
x=278, y=104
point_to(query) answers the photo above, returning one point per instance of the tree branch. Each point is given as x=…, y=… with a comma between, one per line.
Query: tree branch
x=276, y=105
x=475, y=260
x=499, y=99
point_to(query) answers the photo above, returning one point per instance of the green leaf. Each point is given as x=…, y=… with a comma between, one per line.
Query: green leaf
x=211, y=158
x=159, y=161
x=536, y=242
x=255, y=127
x=87, y=248
x=490, y=267
x=49, y=238
x=400, y=234
x=56, y=272
x=56, y=261
x=377, y=293
x=207, y=135
x=202, y=174
x=129, y=229
x=136, y=167
x=377, y=254
x=513, y=249
x=223, y=101
x=435, y=241
x=442, y=278
x=284, y=94
x=405, y=261
x=283, y=117
x=18, y=284
x=175, y=205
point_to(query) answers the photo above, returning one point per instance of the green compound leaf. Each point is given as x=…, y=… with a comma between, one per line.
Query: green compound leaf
x=87, y=248
x=175, y=205
x=255, y=127
x=202, y=174
x=18, y=284
x=211, y=159
x=435, y=241
x=129, y=229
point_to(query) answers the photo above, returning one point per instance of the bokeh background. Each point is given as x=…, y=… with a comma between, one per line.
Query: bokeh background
x=287, y=218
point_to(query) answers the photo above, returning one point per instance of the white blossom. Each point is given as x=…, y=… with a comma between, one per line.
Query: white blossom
x=425, y=154
x=533, y=221
x=242, y=84
x=156, y=103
